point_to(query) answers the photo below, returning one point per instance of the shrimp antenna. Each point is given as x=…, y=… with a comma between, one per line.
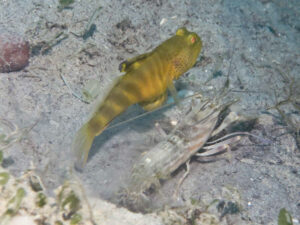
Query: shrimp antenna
x=150, y=112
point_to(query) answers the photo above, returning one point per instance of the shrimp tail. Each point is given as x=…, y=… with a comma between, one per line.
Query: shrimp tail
x=82, y=144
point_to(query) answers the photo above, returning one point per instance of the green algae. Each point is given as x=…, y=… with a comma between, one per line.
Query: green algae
x=284, y=217
x=63, y=4
x=75, y=219
x=4, y=177
x=41, y=200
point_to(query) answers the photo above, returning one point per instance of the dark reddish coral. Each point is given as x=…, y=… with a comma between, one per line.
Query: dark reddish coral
x=14, y=53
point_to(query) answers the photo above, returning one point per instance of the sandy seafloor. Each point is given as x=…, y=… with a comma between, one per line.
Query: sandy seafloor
x=261, y=39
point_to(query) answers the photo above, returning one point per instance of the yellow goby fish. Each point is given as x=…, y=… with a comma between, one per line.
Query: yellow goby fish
x=146, y=81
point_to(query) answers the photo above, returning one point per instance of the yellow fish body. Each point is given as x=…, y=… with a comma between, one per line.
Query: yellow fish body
x=146, y=81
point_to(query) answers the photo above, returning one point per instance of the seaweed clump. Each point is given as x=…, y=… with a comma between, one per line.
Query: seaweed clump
x=289, y=107
x=20, y=198
x=25, y=196
x=65, y=4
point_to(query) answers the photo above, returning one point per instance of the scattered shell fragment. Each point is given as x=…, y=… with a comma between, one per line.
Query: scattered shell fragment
x=91, y=90
x=163, y=21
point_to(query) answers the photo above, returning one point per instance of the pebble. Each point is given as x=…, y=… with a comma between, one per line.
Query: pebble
x=14, y=52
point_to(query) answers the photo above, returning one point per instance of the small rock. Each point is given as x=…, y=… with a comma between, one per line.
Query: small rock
x=14, y=52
